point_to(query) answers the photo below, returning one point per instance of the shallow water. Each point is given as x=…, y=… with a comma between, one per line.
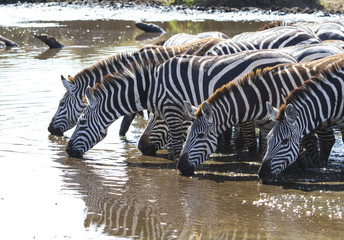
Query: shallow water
x=115, y=192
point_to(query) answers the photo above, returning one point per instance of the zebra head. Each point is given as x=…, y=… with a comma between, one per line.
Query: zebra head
x=201, y=140
x=283, y=143
x=154, y=137
x=68, y=111
x=90, y=129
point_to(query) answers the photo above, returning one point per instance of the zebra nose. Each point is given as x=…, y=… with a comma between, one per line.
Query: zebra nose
x=55, y=131
x=184, y=167
x=76, y=153
x=265, y=173
x=146, y=147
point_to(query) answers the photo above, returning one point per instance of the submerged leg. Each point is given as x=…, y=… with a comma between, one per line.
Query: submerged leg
x=126, y=122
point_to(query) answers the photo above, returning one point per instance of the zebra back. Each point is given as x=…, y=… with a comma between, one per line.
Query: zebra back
x=273, y=38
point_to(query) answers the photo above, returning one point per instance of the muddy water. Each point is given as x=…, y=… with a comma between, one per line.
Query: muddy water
x=115, y=192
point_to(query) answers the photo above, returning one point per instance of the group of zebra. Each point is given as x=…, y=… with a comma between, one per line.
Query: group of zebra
x=214, y=83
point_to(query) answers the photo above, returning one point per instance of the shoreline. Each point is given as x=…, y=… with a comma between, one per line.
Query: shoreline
x=212, y=9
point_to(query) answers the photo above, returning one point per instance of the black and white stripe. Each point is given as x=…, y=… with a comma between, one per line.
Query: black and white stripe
x=183, y=78
x=154, y=137
x=72, y=104
x=241, y=101
x=318, y=103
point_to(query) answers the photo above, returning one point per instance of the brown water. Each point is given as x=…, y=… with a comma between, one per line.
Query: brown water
x=115, y=192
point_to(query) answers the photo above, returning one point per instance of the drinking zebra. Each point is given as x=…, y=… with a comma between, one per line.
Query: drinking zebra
x=182, y=78
x=240, y=101
x=155, y=134
x=316, y=104
x=151, y=140
x=72, y=104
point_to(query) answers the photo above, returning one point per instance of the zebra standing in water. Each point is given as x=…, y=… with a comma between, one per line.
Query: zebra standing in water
x=72, y=104
x=182, y=78
x=240, y=101
x=155, y=134
x=318, y=103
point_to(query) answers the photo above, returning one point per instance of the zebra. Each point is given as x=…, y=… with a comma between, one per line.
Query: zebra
x=155, y=134
x=324, y=31
x=268, y=39
x=318, y=103
x=184, y=77
x=281, y=36
x=72, y=104
x=240, y=101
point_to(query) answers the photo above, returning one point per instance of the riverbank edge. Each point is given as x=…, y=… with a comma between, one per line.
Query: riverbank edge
x=169, y=6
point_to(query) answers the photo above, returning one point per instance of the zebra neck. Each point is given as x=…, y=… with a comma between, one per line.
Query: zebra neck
x=233, y=109
x=125, y=93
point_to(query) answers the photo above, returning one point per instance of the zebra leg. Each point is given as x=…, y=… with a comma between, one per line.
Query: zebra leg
x=309, y=153
x=175, y=123
x=249, y=132
x=326, y=142
x=239, y=141
x=224, y=142
x=125, y=124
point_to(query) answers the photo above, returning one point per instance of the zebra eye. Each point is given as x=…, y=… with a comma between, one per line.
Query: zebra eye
x=201, y=135
x=82, y=121
x=62, y=104
x=285, y=141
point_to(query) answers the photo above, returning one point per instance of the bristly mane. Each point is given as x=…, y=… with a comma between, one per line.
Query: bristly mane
x=100, y=64
x=299, y=93
x=126, y=75
x=274, y=24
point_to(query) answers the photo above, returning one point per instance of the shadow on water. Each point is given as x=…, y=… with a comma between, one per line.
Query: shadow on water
x=49, y=53
x=148, y=36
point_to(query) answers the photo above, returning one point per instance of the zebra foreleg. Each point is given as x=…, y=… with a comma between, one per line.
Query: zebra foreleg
x=326, y=142
x=125, y=124
x=309, y=153
x=175, y=124
x=249, y=133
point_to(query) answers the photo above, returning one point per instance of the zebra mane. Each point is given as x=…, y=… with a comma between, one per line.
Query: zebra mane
x=299, y=93
x=125, y=76
x=274, y=24
x=119, y=57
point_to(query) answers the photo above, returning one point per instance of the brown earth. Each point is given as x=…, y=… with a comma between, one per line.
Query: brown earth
x=307, y=6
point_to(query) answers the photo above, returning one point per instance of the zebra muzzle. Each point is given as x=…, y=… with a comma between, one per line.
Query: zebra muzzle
x=55, y=131
x=76, y=153
x=146, y=147
x=184, y=167
x=265, y=172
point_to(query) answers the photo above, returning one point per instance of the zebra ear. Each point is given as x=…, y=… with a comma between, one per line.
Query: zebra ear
x=66, y=84
x=89, y=96
x=206, y=110
x=189, y=111
x=272, y=111
x=290, y=113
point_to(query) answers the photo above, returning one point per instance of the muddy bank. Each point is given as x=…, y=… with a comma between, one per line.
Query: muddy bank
x=283, y=6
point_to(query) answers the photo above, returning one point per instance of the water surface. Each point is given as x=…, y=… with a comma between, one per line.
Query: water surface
x=115, y=192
